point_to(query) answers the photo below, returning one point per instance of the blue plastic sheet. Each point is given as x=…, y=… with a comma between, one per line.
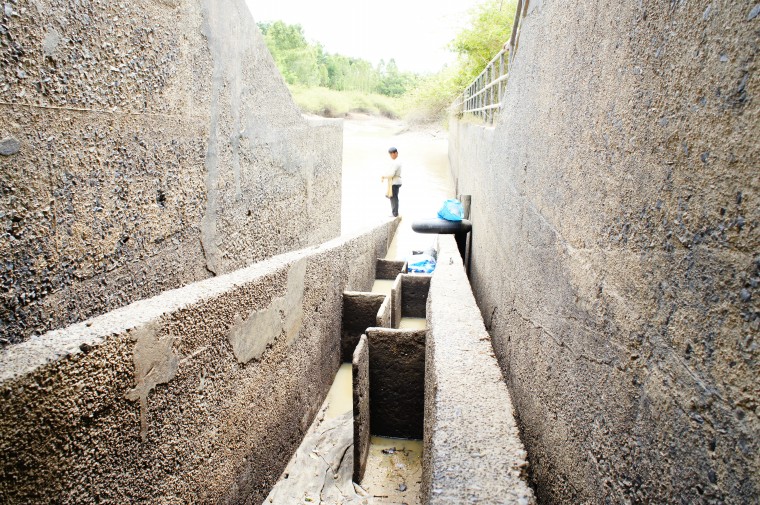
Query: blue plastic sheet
x=421, y=264
x=452, y=210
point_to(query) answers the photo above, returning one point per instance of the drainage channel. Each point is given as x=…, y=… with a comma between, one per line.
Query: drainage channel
x=365, y=447
x=393, y=471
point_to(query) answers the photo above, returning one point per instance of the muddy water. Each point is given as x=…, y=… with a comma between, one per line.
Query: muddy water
x=394, y=470
x=383, y=286
x=412, y=323
x=340, y=397
x=426, y=178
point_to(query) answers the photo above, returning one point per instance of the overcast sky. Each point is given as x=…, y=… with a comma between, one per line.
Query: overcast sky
x=413, y=32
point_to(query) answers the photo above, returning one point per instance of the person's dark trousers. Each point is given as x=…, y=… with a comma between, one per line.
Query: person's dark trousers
x=394, y=199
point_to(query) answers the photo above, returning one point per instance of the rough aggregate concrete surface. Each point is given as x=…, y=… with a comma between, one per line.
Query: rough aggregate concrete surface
x=389, y=269
x=152, y=403
x=396, y=382
x=360, y=311
x=414, y=294
x=360, y=393
x=615, y=248
x=143, y=146
x=472, y=448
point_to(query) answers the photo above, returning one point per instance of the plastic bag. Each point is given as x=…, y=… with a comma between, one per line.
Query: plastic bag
x=452, y=210
x=420, y=264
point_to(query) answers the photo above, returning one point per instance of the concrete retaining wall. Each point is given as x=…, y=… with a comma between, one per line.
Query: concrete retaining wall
x=615, y=248
x=145, y=145
x=198, y=395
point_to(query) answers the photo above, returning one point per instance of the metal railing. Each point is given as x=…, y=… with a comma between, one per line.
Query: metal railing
x=483, y=98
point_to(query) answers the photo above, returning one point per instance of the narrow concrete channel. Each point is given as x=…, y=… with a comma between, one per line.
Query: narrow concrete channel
x=321, y=470
x=394, y=465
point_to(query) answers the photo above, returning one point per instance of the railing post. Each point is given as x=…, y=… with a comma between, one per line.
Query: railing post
x=501, y=83
x=490, y=92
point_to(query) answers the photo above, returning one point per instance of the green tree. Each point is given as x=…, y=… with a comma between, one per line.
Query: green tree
x=490, y=28
x=307, y=64
x=295, y=57
x=392, y=82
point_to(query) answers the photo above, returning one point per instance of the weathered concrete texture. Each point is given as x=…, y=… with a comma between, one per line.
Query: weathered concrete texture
x=396, y=382
x=360, y=311
x=389, y=269
x=472, y=449
x=146, y=145
x=414, y=295
x=320, y=470
x=384, y=314
x=396, y=302
x=163, y=400
x=615, y=248
x=360, y=386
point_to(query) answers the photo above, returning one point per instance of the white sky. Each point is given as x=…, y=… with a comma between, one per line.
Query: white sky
x=413, y=32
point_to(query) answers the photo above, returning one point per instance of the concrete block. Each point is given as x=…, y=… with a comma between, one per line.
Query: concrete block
x=360, y=311
x=414, y=294
x=361, y=399
x=472, y=448
x=396, y=381
x=389, y=269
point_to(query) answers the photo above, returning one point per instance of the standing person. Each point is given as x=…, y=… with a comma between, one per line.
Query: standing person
x=394, y=175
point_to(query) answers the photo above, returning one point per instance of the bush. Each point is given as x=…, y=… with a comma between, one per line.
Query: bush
x=331, y=103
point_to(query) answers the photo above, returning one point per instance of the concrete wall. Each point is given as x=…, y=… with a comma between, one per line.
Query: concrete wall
x=145, y=145
x=360, y=311
x=360, y=402
x=396, y=382
x=198, y=395
x=615, y=248
x=472, y=449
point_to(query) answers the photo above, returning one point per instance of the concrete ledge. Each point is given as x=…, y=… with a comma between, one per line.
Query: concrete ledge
x=472, y=449
x=198, y=395
x=360, y=386
x=384, y=314
x=396, y=302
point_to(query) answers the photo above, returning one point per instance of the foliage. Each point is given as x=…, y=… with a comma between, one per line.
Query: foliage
x=333, y=84
x=431, y=98
x=334, y=103
x=296, y=59
x=490, y=28
x=307, y=64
